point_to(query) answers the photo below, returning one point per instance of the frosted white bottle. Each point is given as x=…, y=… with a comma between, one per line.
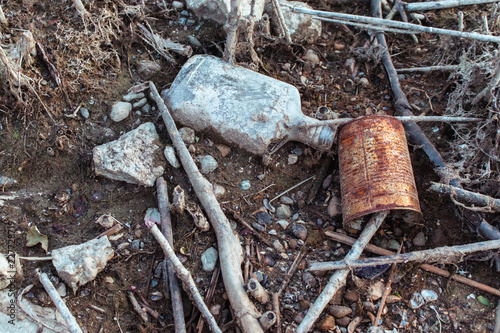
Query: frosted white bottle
x=242, y=107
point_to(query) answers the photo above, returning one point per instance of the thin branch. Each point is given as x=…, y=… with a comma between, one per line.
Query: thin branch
x=483, y=201
x=338, y=279
x=381, y=23
x=186, y=278
x=442, y=255
x=291, y=188
x=432, y=5
x=429, y=69
x=59, y=303
x=230, y=251
x=281, y=21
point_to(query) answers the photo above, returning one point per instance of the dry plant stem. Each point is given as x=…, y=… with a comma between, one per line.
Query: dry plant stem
x=257, y=291
x=460, y=21
x=166, y=228
x=59, y=303
x=230, y=251
x=429, y=268
x=291, y=188
x=232, y=29
x=338, y=279
x=290, y=272
x=442, y=255
x=381, y=23
x=386, y=292
x=137, y=307
x=3, y=20
x=429, y=69
x=483, y=201
x=276, y=309
x=267, y=320
x=432, y=5
x=281, y=21
x=186, y=278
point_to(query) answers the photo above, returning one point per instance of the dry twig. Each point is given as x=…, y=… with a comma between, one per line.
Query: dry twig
x=485, y=203
x=432, y=5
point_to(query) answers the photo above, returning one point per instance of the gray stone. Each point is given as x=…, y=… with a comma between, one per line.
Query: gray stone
x=375, y=290
x=284, y=224
x=132, y=158
x=136, y=244
x=277, y=245
x=140, y=103
x=78, y=264
x=61, y=289
x=339, y=311
x=169, y=153
x=132, y=96
x=219, y=191
x=429, y=295
x=194, y=41
x=209, y=259
x=146, y=108
x=283, y=212
x=219, y=10
x=302, y=27
x=147, y=68
x=208, y=164
x=286, y=200
x=245, y=185
x=85, y=113
x=292, y=159
x=311, y=57
x=187, y=135
x=298, y=231
x=177, y=4
x=7, y=180
x=309, y=280
x=120, y=111
x=419, y=239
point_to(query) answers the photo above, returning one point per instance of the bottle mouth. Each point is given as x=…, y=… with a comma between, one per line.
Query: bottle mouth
x=325, y=138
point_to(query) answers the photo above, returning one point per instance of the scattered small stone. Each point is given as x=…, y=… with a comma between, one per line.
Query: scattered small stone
x=61, y=289
x=393, y=245
x=258, y=227
x=191, y=149
x=419, y=239
x=224, y=150
x=215, y=309
x=286, y=200
x=283, y=224
x=120, y=111
x=298, y=231
x=283, y=212
x=136, y=244
x=351, y=295
x=140, y=103
x=311, y=57
x=263, y=217
x=376, y=290
x=298, y=318
x=416, y=300
x=334, y=208
x=156, y=296
x=259, y=276
x=302, y=27
x=309, y=280
x=269, y=260
x=169, y=153
x=344, y=321
x=392, y=299
x=146, y=108
x=245, y=185
x=187, y=135
x=132, y=96
x=369, y=306
x=364, y=82
x=97, y=196
x=277, y=245
x=398, y=232
x=147, y=68
x=339, y=46
x=401, y=76
x=85, y=113
x=178, y=5
x=339, y=311
x=337, y=298
x=429, y=295
x=194, y=41
x=219, y=191
x=154, y=283
x=292, y=159
x=209, y=259
x=327, y=323
x=208, y=164
x=350, y=64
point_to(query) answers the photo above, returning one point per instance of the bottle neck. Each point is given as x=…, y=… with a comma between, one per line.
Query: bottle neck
x=319, y=137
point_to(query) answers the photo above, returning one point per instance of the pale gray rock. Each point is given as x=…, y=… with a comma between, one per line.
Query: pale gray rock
x=302, y=27
x=177, y=4
x=219, y=10
x=219, y=191
x=7, y=180
x=132, y=158
x=419, y=239
x=120, y=111
x=283, y=212
x=286, y=200
x=169, y=153
x=209, y=259
x=132, y=96
x=140, y=103
x=79, y=264
x=283, y=224
x=85, y=113
x=187, y=135
x=147, y=68
x=208, y=164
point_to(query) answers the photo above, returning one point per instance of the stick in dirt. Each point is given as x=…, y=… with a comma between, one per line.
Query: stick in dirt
x=185, y=276
x=166, y=228
x=485, y=202
x=446, y=68
x=442, y=255
x=230, y=251
x=431, y=5
x=59, y=303
x=338, y=279
x=429, y=268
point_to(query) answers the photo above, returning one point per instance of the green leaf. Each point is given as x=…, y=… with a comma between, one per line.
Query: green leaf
x=484, y=301
x=34, y=237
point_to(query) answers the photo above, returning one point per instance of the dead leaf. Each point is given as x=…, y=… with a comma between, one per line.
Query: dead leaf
x=34, y=237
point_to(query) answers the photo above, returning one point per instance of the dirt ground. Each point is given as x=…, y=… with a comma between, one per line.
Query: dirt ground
x=49, y=152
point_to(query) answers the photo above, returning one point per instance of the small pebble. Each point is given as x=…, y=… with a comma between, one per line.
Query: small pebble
x=223, y=149
x=263, y=218
x=369, y=306
x=364, y=82
x=277, y=245
x=309, y=280
x=258, y=227
x=283, y=224
x=269, y=260
x=283, y=212
x=97, y=196
x=135, y=245
x=334, y=208
x=85, y=113
x=416, y=300
x=343, y=322
x=156, y=296
x=298, y=318
x=154, y=283
x=120, y=111
x=286, y=200
x=292, y=159
x=191, y=149
x=327, y=323
x=140, y=103
x=131, y=96
x=187, y=135
x=419, y=239
x=215, y=309
x=259, y=276
x=61, y=289
x=219, y=191
x=401, y=76
x=147, y=68
x=298, y=231
x=178, y=5
x=169, y=153
x=208, y=164
x=339, y=46
x=339, y=311
x=146, y=108
x=311, y=57
x=194, y=41
x=245, y=185
x=376, y=290
x=429, y=295
x=351, y=295
x=209, y=259
x=350, y=64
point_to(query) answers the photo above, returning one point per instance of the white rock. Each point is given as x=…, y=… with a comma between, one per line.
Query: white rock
x=132, y=96
x=278, y=246
x=169, y=153
x=208, y=164
x=140, y=103
x=7, y=271
x=209, y=259
x=302, y=27
x=78, y=264
x=131, y=158
x=292, y=159
x=219, y=10
x=187, y=135
x=177, y=4
x=376, y=290
x=283, y=224
x=219, y=191
x=120, y=111
x=312, y=57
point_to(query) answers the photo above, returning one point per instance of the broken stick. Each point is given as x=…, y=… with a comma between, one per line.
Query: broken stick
x=429, y=268
x=486, y=203
x=338, y=279
x=166, y=228
x=442, y=255
x=416, y=6
x=230, y=251
x=59, y=303
x=185, y=276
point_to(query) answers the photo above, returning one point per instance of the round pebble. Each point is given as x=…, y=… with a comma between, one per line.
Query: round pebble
x=208, y=164
x=120, y=111
x=187, y=135
x=245, y=185
x=177, y=4
x=85, y=113
x=209, y=259
x=298, y=231
x=419, y=239
x=309, y=280
x=169, y=153
x=283, y=212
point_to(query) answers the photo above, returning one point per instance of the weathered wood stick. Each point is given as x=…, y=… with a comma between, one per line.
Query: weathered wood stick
x=429, y=268
x=386, y=292
x=3, y=20
x=338, y=279
x=380, y=22
x=429, y=69
x=442, y=255
x=281, y=21
x=483, y=201
x=185, y=276
x=166, y=229
x=230, y=251
x=59, y=303
x=137, y=307
x=415, y=6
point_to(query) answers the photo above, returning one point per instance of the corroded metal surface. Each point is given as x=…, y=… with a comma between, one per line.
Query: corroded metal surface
x=375, y=168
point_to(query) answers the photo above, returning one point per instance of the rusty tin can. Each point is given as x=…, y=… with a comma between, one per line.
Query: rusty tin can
x=375, y=169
